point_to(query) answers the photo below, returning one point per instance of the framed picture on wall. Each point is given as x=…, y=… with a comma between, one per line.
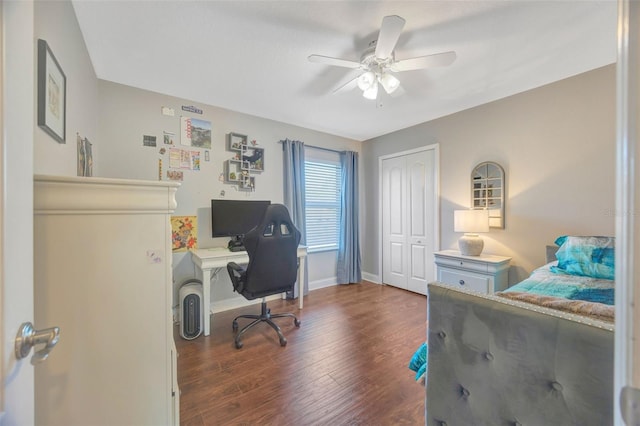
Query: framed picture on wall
x=52, y=93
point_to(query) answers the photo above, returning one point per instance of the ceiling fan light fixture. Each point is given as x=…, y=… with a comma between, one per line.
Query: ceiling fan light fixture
x=378, y=61
x=389, y=82
x=372, y=91
x=366, y=80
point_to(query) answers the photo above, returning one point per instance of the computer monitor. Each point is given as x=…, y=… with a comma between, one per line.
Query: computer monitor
x=234, y=218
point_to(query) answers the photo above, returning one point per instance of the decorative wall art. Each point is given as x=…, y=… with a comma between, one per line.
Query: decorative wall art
x=148, y=140
x=183, y=159
x=247, y=159
x=184, y=233
x=488, y=191
x=195, y=132
x=175, y=175
x=195, y=160
x=52, y=94
x=85, y=157
x=191, y=108
x=168, y=138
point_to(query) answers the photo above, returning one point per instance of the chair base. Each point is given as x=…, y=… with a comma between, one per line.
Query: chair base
x=265, y=316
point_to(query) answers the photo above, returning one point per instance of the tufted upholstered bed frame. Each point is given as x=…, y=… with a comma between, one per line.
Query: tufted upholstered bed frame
x=494, y=361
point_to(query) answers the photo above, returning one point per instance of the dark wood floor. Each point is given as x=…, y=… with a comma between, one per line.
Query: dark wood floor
x=345, y=365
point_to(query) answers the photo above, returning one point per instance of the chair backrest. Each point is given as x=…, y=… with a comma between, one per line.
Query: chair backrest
x=272, y=247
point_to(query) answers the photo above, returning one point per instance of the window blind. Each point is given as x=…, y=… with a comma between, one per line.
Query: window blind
x=322, y=187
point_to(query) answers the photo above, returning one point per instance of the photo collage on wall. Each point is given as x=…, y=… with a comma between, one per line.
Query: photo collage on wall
x=183, y=152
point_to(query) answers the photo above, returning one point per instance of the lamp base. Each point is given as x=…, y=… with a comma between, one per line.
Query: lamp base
x=470, y=245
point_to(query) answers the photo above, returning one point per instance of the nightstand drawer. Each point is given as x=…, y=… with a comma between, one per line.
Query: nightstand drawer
x=477, y=282
x=462, y=263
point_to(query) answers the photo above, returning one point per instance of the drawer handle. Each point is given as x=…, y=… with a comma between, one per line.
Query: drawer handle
x=461, y=282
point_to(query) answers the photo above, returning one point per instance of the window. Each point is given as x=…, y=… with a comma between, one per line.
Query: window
x=322, y=186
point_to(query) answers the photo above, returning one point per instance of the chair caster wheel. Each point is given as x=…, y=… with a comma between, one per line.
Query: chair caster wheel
x=235, y=326
x=238, y=344
x=297, y=322
x=283, y=342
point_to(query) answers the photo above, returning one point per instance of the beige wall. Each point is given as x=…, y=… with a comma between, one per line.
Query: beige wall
x=56, y=23
x=115, y=117
x=557, y=146
x=128, y=113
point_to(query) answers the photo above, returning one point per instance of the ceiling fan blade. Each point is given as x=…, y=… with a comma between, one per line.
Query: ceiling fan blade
x=389, y=33
x=428, y=61
x=349, y=85
x=333, y=61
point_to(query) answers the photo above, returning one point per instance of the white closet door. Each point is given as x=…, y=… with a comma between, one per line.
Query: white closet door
x=420, y=187
x=394, y=226
x=408, y=203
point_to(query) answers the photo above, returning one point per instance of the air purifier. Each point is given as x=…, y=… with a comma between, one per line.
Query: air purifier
x=191, y=319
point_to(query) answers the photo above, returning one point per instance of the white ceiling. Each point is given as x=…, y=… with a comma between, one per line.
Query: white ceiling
x=251, y=56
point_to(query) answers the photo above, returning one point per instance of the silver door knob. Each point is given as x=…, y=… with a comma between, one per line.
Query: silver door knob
x=28, y=337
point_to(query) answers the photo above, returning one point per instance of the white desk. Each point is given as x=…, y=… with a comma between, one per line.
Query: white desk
x=206, y=260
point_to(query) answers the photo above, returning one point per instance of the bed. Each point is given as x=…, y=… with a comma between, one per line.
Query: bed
x=536, y=354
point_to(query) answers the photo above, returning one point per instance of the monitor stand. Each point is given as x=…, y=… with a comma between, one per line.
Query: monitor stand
x=236, y=244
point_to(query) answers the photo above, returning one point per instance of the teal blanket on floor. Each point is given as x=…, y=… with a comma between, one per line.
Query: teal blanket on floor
x=418, y=362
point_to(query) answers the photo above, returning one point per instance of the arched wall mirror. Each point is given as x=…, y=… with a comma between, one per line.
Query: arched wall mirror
x=487, y=191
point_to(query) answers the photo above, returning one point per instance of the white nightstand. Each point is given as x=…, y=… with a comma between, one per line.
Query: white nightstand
x=485, y=273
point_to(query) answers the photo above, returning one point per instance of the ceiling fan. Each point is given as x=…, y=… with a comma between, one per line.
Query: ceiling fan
x=378, y=61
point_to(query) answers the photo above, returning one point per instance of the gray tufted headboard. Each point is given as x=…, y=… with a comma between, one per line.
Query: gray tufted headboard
x=500, y=362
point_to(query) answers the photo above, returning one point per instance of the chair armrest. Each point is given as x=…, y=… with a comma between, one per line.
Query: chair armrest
x=237, y=274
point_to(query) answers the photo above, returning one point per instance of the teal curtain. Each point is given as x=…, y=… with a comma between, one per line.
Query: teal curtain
x=294, y=197
x=349, y=263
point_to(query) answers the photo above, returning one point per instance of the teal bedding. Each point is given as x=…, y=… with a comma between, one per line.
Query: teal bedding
x=561, y=281
x=418, y=362
x=586, y=256
x=549, y=281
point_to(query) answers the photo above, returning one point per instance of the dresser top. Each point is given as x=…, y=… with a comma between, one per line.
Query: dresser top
x=488, y=258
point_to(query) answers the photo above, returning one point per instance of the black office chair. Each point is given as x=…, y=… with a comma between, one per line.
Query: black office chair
x=272, y=247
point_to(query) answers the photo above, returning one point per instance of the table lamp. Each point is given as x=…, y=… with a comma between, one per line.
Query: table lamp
x=471, y=222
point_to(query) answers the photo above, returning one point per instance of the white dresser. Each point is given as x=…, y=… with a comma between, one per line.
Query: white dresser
x=102, y=265
x=485, y=273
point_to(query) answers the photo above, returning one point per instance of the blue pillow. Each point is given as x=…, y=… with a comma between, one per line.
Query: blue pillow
x=586, y=256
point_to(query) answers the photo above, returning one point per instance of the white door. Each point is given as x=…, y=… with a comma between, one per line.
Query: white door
x=420, y=187
x=17, y=110
x=394, y=226
x=627, y=346
x=408, y=219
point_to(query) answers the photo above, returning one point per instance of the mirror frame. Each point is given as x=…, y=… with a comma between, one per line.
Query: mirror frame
x=482, y=196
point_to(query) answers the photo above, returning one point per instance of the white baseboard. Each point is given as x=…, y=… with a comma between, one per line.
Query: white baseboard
x=374, y=278
x=327, y=282
x=227, y=305
x=239, y=302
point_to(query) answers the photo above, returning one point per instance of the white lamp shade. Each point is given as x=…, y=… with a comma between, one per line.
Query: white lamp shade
x=371, y=92
x=389, y=82
x=366, y=80
x=471, y=221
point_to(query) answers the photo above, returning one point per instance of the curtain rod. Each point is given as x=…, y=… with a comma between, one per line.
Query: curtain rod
x=321, y=148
